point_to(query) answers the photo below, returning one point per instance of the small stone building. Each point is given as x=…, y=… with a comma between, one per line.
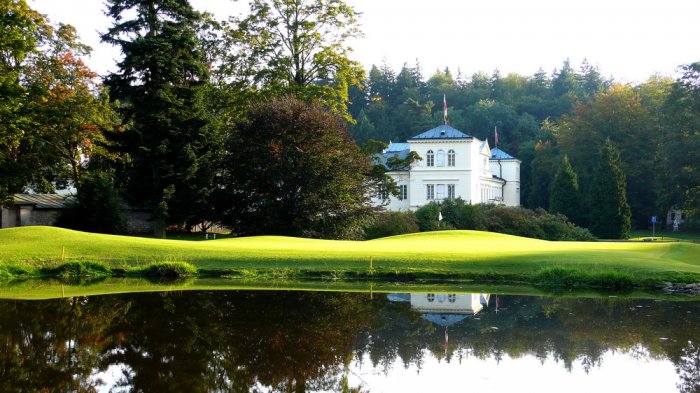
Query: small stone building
x=43, y=209
x=33, y=209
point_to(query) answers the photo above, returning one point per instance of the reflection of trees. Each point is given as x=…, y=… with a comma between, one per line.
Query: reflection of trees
x=54, y=345
x=230, y=341
x=688, y=369
x=562, y=330
x=293, y=342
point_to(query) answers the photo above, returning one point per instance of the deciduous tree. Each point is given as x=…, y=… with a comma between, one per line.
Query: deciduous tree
x=292, y=169
x=298, y=48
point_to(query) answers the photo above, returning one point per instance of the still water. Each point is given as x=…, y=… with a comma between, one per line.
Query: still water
x=285, y=341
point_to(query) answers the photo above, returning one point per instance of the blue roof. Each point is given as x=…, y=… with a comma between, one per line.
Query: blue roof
x=393, y=146
x=442, y=132
x=444, y=319
x=384, y=157
x=498, y=154
x=399, y=297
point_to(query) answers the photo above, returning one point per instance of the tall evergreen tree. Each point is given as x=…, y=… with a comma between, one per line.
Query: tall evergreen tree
x=564, y=196
x=610, y=214
x=161, y=83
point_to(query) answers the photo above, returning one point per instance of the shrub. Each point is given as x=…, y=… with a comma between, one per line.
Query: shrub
x=9, y=272
x=561, y=277
x=514, y=221
x=427, y=217
x=167, y=270
x=538, y=224
x=462, y=215
x=97, y=207
x=390, y=224
x=80, y=269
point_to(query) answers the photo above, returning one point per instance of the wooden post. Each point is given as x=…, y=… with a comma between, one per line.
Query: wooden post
x=63, y=253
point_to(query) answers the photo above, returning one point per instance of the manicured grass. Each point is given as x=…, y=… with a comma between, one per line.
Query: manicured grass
x=437, y=255
x=666, y=235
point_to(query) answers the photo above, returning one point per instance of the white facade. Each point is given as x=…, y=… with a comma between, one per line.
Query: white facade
x=454, y=165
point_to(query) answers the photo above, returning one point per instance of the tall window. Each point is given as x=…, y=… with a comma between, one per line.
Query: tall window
x=440, y=192
x=382, y=193
x=440, y=158
x=430, y=158
x=450, y=157
x=430, y=192
x=403, y=192
x=450, y=191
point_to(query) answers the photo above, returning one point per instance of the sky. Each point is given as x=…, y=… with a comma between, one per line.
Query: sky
x=629, y=40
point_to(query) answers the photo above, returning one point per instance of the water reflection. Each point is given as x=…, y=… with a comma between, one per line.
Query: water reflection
x=310, y=341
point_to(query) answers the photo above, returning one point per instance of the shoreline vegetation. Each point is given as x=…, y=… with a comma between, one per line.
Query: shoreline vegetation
x=445, y=256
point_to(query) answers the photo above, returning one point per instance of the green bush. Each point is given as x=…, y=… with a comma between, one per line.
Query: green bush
x=561, y=277
x=518, y=221
x=427, y=217
x=462, y=215
x=9, y=272
x=390, y=224
x=97, y=207
x=514, y=221
x=167, y=270
x=80, y=269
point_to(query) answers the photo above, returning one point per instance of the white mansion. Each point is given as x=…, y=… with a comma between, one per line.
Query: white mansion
x=453, y=165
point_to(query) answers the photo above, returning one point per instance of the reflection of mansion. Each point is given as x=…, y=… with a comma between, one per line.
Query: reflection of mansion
x=444, y=309
x=453, y=165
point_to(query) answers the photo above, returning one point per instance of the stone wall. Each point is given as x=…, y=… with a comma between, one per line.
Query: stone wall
x=139, y=221
x=45, y=217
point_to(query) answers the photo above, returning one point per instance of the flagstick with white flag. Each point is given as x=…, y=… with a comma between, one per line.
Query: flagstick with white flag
x=495, y=133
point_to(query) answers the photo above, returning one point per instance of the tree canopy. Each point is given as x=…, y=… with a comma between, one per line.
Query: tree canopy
x=168, y=146
x=295, y=171
x=298, y=48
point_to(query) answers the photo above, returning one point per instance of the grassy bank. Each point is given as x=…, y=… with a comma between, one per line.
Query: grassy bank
x=448, y=255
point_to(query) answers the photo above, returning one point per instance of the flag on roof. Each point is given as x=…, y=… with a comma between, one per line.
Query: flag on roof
x=444, y=107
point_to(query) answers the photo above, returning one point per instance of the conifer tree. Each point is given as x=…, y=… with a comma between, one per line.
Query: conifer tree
x=161, y=83
x=564, y=196
x=610, y=214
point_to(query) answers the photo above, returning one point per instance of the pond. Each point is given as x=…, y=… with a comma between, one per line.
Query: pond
x=291, y=341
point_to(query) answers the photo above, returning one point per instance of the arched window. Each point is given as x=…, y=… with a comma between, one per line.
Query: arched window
x=440, y=158
x=450, y=157
x=430, y=158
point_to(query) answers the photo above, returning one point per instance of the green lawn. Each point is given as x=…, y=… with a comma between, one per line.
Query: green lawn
x=666, y=235
x=446, y=253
